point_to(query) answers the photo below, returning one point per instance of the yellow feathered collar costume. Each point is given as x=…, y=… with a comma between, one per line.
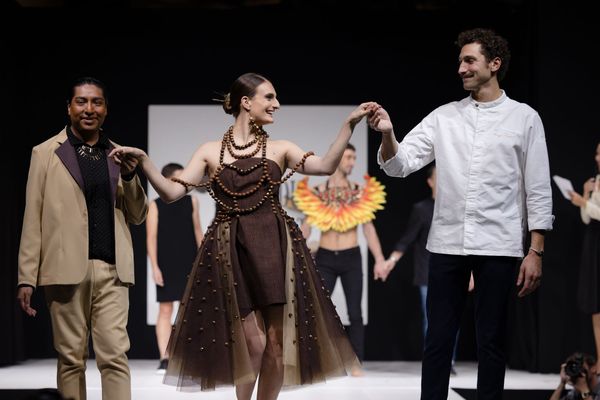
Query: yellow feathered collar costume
x=340, y=209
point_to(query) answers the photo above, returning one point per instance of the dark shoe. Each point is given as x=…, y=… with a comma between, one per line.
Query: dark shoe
x=452, y=371
x=162, y=366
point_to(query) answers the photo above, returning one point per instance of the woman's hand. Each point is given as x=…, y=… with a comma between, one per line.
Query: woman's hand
x=127, y=158
x=577, y=199
x=359, y=112
x=157, y=276
x=124, y=153
x=589, y=186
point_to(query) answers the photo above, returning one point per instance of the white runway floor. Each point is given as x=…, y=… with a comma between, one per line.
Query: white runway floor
x=383, y=380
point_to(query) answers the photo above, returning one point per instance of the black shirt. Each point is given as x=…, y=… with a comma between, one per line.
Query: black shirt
x=93, y=164
x=416, y=233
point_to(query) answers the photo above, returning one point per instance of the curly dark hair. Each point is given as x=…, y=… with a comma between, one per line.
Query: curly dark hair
x=492, y=46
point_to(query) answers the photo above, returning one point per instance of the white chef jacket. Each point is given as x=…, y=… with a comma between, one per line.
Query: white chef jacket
x=493, y=178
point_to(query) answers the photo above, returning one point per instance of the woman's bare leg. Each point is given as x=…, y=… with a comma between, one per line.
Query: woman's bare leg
x=254, y=332
x=163, y=327
x=271, y=371
x=596, y=326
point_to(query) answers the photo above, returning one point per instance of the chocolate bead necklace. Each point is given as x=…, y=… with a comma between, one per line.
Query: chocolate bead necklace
x=226, y=211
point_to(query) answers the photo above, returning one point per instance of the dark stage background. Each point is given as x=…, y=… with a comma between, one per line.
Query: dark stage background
x=400, y=54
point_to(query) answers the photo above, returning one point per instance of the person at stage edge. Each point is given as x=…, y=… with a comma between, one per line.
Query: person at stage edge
x=493, y=184
x=579, y=371
x=337, y=207
x=173, y=235
x=76, y=243
x=588, y=293
x=415, y=236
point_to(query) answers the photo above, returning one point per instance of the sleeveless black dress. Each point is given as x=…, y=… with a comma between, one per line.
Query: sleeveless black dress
x=253, y=255
x=176, y=247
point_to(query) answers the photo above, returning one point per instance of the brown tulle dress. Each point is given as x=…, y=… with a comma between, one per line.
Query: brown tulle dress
x=253, y=255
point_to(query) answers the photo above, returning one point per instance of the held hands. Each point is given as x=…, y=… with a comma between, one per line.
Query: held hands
x=127, y=158
x=380, y=121
x=383, y=268
x=530, y=274
x=359, y=113
x=24, y=295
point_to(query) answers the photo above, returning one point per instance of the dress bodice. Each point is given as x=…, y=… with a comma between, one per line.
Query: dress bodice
x=243, y=185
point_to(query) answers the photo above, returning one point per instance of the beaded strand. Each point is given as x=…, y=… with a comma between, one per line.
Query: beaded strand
x=226, y=211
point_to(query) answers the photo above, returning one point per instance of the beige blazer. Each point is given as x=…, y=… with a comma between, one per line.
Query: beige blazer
x=54, y=239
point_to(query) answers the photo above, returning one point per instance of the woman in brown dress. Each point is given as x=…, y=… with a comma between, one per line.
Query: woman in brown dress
x=254, y=305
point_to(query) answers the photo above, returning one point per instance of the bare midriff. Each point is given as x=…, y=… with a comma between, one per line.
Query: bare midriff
x=332, y=240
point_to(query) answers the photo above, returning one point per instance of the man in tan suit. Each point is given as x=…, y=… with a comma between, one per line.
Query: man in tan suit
x=76, y=243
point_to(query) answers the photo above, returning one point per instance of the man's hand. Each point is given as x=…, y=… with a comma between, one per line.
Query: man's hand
x=128, y=165
x=382, y=269
x=530, y=274
x=564, y=378
x=361, y=111
x=127, y=158
x=24, y=295
x=380, y=121
x=471, y=283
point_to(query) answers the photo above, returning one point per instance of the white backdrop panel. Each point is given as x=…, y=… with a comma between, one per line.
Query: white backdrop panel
x=176, y=131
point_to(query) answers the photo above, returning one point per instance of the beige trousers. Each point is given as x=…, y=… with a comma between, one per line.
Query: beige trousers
x=100, y=305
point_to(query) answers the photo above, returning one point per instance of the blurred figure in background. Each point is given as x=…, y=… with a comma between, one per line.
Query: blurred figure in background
x=173, y=235
x=337, y=207
x=416, y=234
x=588, y=295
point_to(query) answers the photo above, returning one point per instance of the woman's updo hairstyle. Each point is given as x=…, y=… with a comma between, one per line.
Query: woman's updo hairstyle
x=245, y=85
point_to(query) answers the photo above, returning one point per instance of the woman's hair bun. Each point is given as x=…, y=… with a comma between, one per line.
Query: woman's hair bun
x=227, y=104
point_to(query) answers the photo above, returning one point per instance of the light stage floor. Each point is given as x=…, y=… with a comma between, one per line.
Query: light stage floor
x=383, y=380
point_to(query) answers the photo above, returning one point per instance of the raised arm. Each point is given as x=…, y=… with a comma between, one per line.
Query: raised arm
x=414, y=152
x=564, y=379
x=327, y=164
x=380, y=121
x=168, y=190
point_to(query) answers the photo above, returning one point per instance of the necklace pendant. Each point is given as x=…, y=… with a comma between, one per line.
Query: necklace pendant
x=89, y=152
